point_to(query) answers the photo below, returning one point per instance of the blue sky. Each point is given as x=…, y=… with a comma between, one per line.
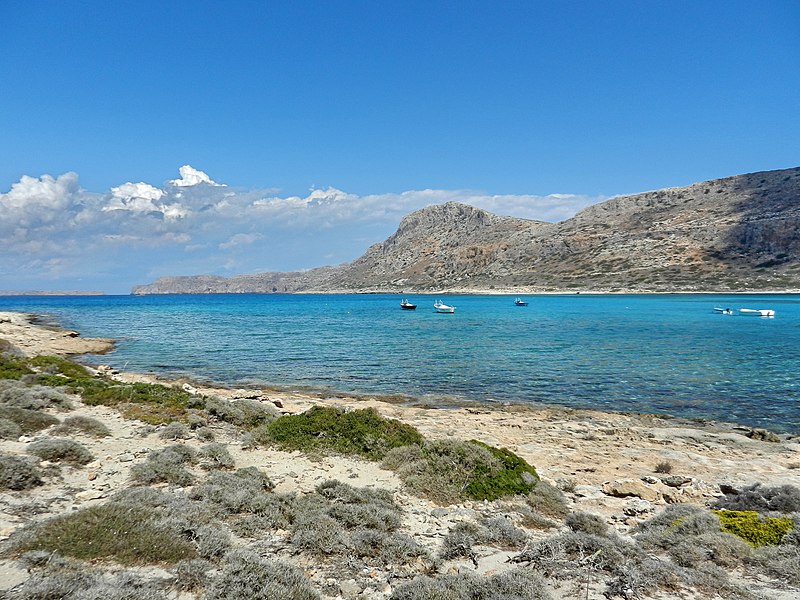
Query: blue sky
x=528, y=108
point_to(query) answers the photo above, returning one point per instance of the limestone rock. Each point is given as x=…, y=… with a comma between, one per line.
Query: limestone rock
x=630, y=487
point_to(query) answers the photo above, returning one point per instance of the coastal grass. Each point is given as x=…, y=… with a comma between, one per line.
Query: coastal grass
x=126, y=534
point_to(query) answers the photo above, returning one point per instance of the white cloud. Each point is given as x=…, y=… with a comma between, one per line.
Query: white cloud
x=240, y=239
x=191, y=176
x=193, y=225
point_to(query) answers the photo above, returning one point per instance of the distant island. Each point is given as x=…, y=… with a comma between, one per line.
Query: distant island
x=50, y=293
x=737, y=234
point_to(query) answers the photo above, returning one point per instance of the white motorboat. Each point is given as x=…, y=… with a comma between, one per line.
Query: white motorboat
x=723, y=311
x=441, y=307
x=520, y=302
x=756, y=312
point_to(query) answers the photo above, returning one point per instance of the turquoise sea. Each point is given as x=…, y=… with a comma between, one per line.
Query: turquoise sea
x=666, y=354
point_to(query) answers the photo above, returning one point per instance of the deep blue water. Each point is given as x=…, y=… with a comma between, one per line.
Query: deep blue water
x=667, y=354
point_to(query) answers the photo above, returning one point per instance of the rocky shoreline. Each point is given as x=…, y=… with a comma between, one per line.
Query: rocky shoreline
x=606, y=464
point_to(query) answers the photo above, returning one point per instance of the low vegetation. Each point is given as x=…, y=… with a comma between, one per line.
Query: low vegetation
x=18, y=473
x=321, y=428
x=217, y=529
x=61, y=450
x=448, y=471
x=126, y=534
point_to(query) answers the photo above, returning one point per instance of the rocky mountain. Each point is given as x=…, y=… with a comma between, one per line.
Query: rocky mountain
x=738, y=233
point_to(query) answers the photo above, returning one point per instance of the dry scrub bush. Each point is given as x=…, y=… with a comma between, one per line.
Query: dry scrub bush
x=61, y=450
x=9, y=430
x=18, y=473
x=191, y=575
x=28, y=421
x=385, y=548
x=547, y=500
x=174, y=432
x=664, y=467
x=80, y=424
x=244, y=501
x=244, y=413
x=586, y=523
x=32, y=397
x=71, y=580
x=519, y=584
x=166, y=466
x=247, y=576
x=501, y=533
x=781, y=499
x=214, y=457
x=459, y=541
x=338, y=519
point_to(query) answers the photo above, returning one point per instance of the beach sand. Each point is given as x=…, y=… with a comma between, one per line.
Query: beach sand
x=606, y=462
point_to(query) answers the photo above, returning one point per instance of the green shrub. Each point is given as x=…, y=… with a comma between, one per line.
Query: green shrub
x=58, y=366
x=247, y=576
x=18, y=473
x=12, y=367
x=61, y=450
x=81, y=424
x=754, y=529
x=125, y=534
x=149, y=402
x=28, y=421
x=447, y=471
x=363, y=432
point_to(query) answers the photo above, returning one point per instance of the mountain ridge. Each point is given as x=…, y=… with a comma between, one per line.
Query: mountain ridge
x=739, y=233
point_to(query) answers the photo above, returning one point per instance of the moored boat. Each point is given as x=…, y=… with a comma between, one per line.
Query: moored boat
x=723, y=311
x=441, y=307
x=520, y=302
x=406, y=305
x=756, y=312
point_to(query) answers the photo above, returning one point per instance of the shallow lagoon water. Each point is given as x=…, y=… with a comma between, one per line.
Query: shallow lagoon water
x=666, y=354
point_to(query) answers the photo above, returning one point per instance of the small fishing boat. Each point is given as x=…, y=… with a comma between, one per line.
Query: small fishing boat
x=406, y=305
x=756, y=312
x=723, y=311
x=520, y=302
x=441, y=307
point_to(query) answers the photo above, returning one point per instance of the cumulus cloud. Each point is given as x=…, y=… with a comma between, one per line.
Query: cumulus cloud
x=191, y=177
x=195, y=225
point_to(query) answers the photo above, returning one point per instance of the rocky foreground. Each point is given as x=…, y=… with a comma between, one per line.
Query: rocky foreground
x=625, y=470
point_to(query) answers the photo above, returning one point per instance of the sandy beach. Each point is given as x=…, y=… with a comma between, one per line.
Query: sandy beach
x=604, y=462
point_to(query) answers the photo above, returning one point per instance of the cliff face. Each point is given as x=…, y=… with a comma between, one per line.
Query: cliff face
x=737, y=233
